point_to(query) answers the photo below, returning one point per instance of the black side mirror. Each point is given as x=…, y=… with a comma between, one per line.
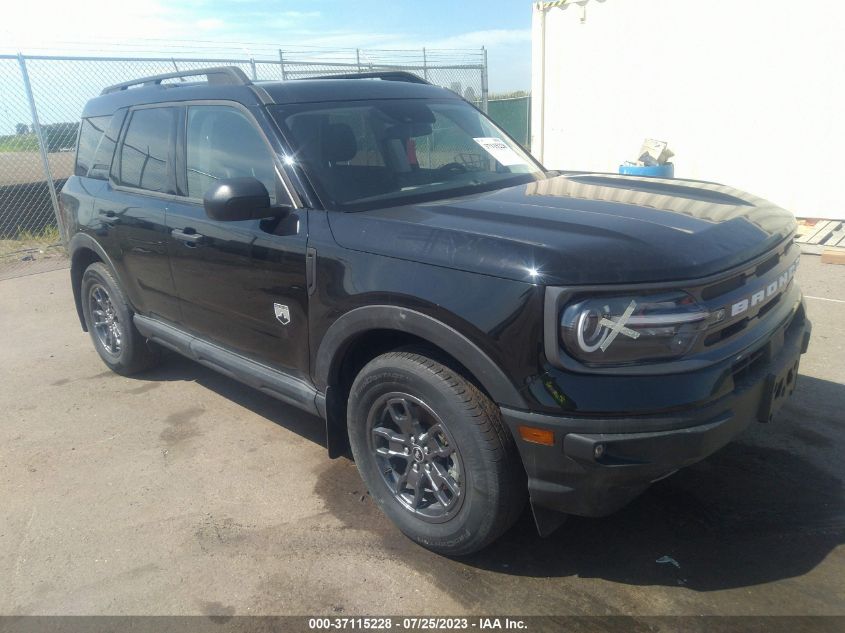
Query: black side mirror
x=233, y=199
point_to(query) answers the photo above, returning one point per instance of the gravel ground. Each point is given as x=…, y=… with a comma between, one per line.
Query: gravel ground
x=182, y=492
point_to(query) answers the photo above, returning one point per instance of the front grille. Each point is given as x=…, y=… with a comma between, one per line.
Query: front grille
x=745, y=297
x=746, y=369
x=725, y=333
x=767, y=265
x=771, y=304
x=723, y=287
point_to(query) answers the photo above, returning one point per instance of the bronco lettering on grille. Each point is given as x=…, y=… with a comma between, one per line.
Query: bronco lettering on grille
x=764, y=293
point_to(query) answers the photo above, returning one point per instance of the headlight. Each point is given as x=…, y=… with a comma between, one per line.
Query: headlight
x=621, y=330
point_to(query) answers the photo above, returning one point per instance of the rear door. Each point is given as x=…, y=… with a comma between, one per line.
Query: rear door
x=79, y=193
x=240, y=284
x=131, y=208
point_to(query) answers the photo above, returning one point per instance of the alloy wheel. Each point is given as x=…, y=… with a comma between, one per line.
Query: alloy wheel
x=106, y=323
x=417, y=457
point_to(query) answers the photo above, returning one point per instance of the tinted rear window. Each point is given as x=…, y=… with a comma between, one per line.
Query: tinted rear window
x=105, y=150
x=145, y=156
x=90, y=135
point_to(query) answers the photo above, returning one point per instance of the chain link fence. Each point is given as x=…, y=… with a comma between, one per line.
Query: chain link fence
x=41, y=101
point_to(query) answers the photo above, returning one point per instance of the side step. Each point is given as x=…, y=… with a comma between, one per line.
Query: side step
x=273, y=382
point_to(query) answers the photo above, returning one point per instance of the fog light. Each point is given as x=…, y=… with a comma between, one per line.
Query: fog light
x=537, y=436
x=598, y=451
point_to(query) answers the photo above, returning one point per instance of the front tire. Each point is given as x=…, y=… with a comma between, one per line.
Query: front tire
x=434, y=453
x=108, y=318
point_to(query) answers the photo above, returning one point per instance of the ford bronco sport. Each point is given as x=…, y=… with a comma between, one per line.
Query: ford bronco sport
x=478, y=330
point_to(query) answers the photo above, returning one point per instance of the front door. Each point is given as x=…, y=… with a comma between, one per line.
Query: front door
x=240, y=284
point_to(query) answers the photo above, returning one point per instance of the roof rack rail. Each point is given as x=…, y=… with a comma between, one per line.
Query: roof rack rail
x=385, y=75
x=228, y=75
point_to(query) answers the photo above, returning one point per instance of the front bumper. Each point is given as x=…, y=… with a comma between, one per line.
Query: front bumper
x=599, y=464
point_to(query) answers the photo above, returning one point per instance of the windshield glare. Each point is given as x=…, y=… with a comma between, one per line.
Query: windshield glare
x=367, y=154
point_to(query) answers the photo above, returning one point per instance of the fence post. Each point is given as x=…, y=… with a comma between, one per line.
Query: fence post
x=42, y=145
x=484, y=80
x=252, y=66
x=528, y=121
x=425, y=65
x=358, y=58
x=282, y=63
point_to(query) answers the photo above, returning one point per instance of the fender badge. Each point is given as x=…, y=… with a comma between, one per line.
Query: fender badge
x=282, y=313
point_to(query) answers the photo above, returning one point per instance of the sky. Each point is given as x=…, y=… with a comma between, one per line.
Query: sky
x=502, y=26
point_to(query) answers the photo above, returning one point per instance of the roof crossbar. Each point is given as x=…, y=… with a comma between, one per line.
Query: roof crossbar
x=385, y=75
x=225, y=75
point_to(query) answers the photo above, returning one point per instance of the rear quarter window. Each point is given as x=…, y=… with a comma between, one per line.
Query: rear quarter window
x=91, y=134
x=145, y=157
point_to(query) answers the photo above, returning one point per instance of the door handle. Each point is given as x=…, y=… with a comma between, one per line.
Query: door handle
x=188, y=236
x=108, y=217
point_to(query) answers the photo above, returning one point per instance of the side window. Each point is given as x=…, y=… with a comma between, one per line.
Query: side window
x=90, y=135
x=144, y=159
x=223, y=143
x=105, y=150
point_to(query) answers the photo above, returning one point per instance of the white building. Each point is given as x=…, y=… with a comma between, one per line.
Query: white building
x=750, y=93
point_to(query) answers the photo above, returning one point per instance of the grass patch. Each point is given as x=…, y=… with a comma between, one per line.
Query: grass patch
x=44, y=240
x=19, y=143
x=47, y=234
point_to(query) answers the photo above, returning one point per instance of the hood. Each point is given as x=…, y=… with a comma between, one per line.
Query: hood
x=578, y=229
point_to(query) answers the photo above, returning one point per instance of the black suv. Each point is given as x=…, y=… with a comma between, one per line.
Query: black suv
x=478, y=330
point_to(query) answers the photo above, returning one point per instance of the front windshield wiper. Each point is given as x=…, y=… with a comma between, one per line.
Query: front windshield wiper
x=464, y=189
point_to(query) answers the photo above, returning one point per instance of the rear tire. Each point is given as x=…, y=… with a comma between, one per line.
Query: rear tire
x=108, y=317
x=434, y=453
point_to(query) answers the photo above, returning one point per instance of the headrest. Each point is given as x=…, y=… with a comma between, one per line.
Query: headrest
x=339, y=142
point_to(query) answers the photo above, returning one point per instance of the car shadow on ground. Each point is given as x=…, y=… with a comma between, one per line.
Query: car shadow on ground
x=766, y=507
x=178, y=368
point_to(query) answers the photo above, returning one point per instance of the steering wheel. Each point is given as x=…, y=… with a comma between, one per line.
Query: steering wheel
x=453, y=168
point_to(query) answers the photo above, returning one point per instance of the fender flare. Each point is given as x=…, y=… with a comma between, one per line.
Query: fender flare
x=76, y=243
x=387, y=317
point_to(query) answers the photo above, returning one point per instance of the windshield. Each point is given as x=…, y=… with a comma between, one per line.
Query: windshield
x=367, y=154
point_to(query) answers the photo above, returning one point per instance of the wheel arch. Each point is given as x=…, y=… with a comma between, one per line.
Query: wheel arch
x=84, y=250
x=366, y=332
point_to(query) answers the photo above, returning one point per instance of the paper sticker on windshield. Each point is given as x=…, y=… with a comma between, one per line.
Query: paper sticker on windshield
x=498, y=150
